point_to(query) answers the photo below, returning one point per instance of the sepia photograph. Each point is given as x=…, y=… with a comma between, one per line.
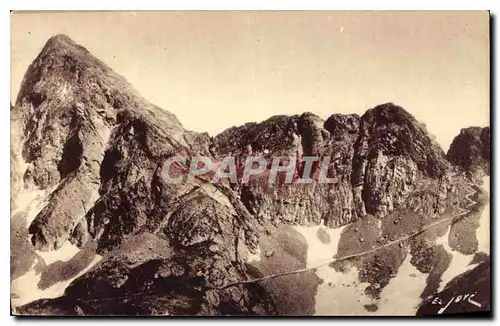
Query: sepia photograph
x=250, y=163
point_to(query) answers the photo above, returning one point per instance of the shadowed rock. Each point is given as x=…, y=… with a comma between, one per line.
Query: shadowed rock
x=470, y=150
x=98, y=148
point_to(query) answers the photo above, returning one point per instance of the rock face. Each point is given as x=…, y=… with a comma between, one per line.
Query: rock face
x=377, y=161
x=470, y=150
x=68, y=104
x=393, y=156
x=97, y=148
x=297, y=136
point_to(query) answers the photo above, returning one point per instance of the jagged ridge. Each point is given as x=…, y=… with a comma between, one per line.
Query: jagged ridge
x=89, y=134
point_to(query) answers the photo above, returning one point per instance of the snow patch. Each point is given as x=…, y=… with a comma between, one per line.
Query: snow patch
x=254, y=257
x=483, y=232
x=65, y=253
x=339, y=293
x=401, y=297
x=317, y=251
x=343, y=293
x=459, y=262
x=24, y=289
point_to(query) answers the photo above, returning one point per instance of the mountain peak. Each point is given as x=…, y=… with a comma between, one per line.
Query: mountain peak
x=62, y=43
x=62, y=39
x=471, y=151
x=393, y=131
x=391, y=113
x=63, y=65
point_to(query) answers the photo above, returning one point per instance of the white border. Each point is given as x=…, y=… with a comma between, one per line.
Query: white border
x=253, y=5
x=5, y=319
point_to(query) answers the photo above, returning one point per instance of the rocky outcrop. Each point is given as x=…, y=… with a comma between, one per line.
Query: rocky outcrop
x=296, y=136
x=202, y=248
x=378, y=161
x=394, y=155
x=470, y=150
x=97, y=148
x=68, y=104
x=65, y=118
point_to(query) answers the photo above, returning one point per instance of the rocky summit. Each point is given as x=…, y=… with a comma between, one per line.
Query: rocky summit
x=86, y=164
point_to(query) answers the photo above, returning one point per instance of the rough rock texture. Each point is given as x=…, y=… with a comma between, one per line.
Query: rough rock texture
x=393, y=156
x=377, y=160
x=97, y=148
x=296, y=136
x=68, y=104
x=16, y=170
x=470, y=150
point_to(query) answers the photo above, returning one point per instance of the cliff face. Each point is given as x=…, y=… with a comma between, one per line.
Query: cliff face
x=377, y=161
x=95, y=148
x=68, y=104
x=470, y=150
x=391, y=179
x=394, y=156
x=296, y=136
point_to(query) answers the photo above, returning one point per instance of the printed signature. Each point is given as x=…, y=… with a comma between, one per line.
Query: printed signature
x=456, y=299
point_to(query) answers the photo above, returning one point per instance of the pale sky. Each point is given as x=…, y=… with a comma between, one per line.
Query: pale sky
x=219, y=69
